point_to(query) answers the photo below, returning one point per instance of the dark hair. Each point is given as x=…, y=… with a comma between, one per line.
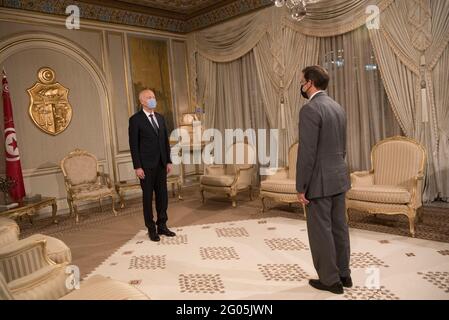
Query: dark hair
x=318, y=75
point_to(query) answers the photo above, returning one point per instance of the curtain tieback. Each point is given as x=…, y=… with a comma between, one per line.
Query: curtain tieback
x=424, y=104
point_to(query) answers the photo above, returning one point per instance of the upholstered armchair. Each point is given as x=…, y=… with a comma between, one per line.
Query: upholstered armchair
x=395, y=183
x=233, y=178
x=281, y=186
x=26, y=273
x=84, y=182
x=9, y=231
x=57, y=251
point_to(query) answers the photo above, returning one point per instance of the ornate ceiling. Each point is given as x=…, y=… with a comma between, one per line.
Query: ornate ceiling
x=181, y=16
x=186, y=7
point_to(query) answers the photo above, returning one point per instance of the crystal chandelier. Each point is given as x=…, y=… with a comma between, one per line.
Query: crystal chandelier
x=296, y=8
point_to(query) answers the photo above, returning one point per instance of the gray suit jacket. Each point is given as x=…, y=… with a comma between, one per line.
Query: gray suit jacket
x=321, y=169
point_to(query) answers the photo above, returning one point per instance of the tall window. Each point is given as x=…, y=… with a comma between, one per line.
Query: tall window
x=357, y=85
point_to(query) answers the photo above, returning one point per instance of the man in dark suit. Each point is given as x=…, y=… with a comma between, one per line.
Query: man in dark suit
x=322, y=181
x=150, y=151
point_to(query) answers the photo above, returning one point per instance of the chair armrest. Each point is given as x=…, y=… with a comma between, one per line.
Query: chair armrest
x=215, y=170
x=243, y=175
x=362, y=178
x=105, y=179
x=29, y=251
x=279, y=174
x=416, y=190
x=48, y=283
x=68, y=184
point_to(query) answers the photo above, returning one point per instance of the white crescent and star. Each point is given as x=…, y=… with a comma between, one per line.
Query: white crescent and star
x=12, y=150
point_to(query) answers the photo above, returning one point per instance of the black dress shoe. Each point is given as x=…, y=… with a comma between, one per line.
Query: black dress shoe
x=346, y=281
x=336, y=288
x=154, y=236
x=165, y=232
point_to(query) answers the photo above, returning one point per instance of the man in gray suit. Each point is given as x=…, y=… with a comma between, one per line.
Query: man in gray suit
x=322, y=180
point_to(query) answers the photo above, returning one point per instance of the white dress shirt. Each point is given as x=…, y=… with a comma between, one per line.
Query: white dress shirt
x=154, y=117
x=313, y=95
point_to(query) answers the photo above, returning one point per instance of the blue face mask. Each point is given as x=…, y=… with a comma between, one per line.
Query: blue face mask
x=151, y=103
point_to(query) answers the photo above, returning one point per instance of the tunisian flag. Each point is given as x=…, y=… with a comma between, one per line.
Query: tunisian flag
x=13, y=166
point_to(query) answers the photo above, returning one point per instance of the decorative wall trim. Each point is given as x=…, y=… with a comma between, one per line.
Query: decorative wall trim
x=120, y=16
x=36, y=172
x=30, y=40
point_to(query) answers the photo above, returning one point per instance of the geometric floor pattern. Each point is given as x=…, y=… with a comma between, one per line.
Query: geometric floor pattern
x=270, y=259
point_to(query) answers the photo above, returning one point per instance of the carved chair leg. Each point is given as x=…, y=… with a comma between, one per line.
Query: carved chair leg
x=233, y=196
x=411, y=219
x=263, y=204
x=250, y=193
x=180, y=192
x=173, y=189
x=69, y=202
x=203, y=199
x=122, y=200
x=75, y=209
x=113, y=205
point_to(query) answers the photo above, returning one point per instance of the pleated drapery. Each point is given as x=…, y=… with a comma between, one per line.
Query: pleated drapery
x=410, y=50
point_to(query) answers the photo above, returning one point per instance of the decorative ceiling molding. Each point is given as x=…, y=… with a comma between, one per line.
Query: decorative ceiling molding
x=198, y=14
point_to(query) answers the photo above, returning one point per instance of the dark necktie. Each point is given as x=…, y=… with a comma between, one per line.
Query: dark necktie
x=153, y=123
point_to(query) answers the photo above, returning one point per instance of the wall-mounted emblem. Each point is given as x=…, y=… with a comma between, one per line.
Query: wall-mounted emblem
x=49, y=107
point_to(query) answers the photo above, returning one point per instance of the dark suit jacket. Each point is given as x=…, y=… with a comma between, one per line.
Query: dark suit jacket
x=148, y=149
x=321, y=169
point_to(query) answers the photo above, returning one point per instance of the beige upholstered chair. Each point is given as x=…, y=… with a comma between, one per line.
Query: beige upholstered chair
x=84, y=182
x=394, y=185
x=9, y=231
x=231, y=179
x=26, y=273
x=281, y=186
x=57, y=250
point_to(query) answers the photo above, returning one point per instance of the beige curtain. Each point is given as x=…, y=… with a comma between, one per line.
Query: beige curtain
x=280, y=56
x=232, y=40
x=334, y=17
x=207, y=88
x=411, y=40
x=440, y=77
x=357, y=86
x=234, y=99
x=409, y=48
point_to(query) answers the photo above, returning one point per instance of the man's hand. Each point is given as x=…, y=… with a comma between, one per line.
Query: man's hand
x=169, y=168
x=140, y=173
x=302, y=199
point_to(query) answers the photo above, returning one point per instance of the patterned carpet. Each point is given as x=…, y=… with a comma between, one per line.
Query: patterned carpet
x=270, y=259
x=435, y=224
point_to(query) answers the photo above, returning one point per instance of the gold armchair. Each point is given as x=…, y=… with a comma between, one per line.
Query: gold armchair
x=281, y=186
x=84, y=182
x=231, y=179
x=394, y=185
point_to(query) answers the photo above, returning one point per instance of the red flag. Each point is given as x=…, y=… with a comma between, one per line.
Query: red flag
x=13, y=166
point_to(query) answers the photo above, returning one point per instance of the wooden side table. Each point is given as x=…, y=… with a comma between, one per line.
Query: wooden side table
x=125, y=186
x=31, y=209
